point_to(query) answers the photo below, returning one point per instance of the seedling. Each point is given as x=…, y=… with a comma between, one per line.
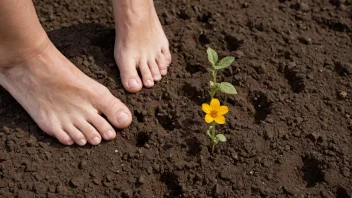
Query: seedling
x=224, y=87
x=214, y=112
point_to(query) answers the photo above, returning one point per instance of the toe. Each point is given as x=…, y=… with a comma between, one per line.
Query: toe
x=76, y=135
x=148, y=80
x=117, y=112
x=103, y=127
x=167, y=54
x=129, y=76
x=63, y=137
x=162, y=64
x=154, y=69
x=89, y=132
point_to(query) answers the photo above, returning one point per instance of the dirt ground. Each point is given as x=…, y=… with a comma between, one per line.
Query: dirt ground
x=289, y=129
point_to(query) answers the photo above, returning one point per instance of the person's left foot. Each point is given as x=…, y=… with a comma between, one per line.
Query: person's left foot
x=140, y=44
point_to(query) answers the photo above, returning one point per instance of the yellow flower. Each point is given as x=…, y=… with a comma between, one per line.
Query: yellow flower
x=215, y=112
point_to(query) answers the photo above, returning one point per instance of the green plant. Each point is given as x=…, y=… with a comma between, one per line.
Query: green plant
x=216, y=65
x=214, y=112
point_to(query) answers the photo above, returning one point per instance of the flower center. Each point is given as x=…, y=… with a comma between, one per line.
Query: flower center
x=214, y=113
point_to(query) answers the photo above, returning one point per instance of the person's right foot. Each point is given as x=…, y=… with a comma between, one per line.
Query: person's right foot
x=64, y=102
x=140, y=44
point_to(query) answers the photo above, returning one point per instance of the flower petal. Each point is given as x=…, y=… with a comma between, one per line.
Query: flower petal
x=209, y=119
x=220, y=119
x=214, y=103
x=222, y=110
x=206, y=108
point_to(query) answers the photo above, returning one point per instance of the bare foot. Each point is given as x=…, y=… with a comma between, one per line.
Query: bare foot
x=140, y=44
x=64, y=102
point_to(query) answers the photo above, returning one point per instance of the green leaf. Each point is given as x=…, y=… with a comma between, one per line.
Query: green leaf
x=225, y=62
x=211, y=83
x=209, y=70
x=227, y=88
x=208, y=133
x=212, y=56
x=221, y=137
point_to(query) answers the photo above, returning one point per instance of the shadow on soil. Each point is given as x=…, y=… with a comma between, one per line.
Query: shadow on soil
x=86, y=39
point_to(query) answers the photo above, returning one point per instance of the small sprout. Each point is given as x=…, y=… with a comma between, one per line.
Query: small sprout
x=214, y=112
x=224, y=87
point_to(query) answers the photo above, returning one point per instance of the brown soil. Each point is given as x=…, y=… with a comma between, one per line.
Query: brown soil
x=289, y=129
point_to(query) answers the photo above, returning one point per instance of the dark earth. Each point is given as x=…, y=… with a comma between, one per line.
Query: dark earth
x=289, y=128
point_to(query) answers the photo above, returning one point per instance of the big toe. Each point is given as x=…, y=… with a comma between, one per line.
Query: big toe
x=129, y=76
x=117, y=112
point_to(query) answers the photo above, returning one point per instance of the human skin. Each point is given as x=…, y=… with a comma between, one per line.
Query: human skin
x=45, y=82
x=140, y=44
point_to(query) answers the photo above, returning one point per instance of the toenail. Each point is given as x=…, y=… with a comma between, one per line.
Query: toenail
x=167, y=63
x=163, y=71
x=109, y=134
x=157, y=77
x=82, y=142
x=132, y=83
x=122, y=117
x=96, y=140
x=149, y=82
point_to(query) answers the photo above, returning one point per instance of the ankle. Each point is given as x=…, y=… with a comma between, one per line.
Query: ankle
x=132, y=11
x=20, y=52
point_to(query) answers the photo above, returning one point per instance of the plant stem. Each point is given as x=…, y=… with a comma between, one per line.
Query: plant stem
x=212, y=133
x=214, y=76
x=212, y=93
x=213, y=89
